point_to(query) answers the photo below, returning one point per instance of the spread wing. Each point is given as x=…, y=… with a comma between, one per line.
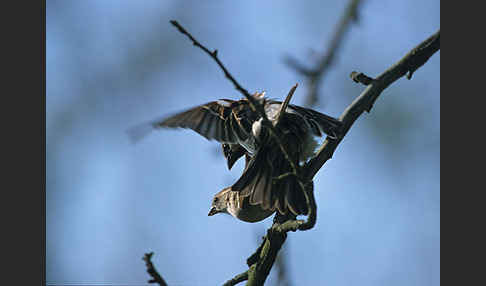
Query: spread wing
x=260, y=180
x=217, y=120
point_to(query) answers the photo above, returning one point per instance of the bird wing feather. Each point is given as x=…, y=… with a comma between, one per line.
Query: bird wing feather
x=213, y=120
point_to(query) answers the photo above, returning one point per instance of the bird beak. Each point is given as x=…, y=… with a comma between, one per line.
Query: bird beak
x=212, y=211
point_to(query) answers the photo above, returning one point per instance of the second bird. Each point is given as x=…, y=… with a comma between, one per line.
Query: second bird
x=257, y=193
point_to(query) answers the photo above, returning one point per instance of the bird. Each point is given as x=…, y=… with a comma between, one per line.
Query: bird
x=265, y=185
x=232, y=203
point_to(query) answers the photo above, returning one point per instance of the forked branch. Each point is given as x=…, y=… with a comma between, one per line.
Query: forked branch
x=315, y=75
x=262, y=261
x=364, y=102
x=254, y=104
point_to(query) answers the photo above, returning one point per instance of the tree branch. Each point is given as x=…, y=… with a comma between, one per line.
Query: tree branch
x=237, y=279
x=258, y=272
x=213, y=55
x=361, y=78
x=315, y=75
x=262, y=261
x=408, y=64
x=254, y=104
x=152, y=271
x=277, y=234
x=283, y=106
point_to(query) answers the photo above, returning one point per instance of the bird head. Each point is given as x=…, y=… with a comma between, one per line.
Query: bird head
x=258, y=96
x=220, y=202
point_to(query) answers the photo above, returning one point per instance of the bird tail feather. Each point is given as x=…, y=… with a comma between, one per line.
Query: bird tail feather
x=261, y=184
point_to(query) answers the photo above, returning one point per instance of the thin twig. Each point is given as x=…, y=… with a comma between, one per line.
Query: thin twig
x=254, y=104
x=283, y=106
x=237, y=279
x=265, y=256
x=152, y=271
x=361, y=78
x=408, y=64
x=213, y=55
x=312, y=206
x=277, y=234
x=315, y=75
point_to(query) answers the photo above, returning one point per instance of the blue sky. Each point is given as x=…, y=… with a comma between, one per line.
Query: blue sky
x=115, y=64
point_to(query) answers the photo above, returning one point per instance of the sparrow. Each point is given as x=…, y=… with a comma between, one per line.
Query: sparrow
x=232, y=203
x=264, y=186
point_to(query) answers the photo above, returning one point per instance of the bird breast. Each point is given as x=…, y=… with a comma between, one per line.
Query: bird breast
x=256, y=128
x=240, y=208
x=271, y=110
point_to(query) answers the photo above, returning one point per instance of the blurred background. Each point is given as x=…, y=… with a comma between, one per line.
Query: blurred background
x=114, y=64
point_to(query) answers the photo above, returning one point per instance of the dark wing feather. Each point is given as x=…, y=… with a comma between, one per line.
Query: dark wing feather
x=257, y=182
x=211, y=120
x=233, y=152
x=326, y=123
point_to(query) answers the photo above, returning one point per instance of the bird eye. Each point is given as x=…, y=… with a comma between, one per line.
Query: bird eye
x=215, y=200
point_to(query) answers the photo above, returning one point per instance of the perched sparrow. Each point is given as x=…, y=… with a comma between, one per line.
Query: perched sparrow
x=258, y=192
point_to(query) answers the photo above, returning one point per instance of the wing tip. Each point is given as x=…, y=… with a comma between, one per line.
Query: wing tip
x=138, y=132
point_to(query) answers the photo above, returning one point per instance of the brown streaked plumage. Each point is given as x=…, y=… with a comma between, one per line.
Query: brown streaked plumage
x=240, y=131
x=233, y=203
